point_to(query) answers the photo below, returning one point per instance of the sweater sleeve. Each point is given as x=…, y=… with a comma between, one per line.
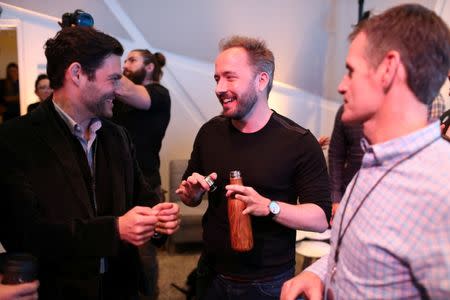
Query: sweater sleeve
x=312, y=175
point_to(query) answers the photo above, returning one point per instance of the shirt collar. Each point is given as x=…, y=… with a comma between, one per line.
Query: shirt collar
x=94, y=125
x=396, y=149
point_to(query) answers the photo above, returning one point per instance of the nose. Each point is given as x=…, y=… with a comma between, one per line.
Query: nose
x=342, y=87
x=220, y=87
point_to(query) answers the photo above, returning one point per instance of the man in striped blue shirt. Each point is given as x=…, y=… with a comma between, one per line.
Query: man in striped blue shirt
x=391, y=234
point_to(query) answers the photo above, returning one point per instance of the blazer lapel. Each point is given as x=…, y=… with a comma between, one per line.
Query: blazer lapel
x=111, y=152
x=48, y=128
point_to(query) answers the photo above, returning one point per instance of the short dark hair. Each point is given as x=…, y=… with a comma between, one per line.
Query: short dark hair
x=157, y=59
x=420, y=36
x=260, y=57
x=38, y=79
x=10, y=66
x=85, y=45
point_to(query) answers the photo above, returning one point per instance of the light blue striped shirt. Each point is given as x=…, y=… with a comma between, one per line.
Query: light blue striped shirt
x=398, y=244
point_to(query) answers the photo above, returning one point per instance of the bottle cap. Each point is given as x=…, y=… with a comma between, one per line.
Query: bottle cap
x=211, y=183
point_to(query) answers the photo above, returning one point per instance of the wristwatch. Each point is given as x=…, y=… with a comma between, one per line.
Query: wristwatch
x=274, y=209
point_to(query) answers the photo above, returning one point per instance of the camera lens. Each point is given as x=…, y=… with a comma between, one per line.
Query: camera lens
x=85, y=20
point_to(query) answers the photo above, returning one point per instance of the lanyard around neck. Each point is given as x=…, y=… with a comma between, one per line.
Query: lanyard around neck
x=341, y=236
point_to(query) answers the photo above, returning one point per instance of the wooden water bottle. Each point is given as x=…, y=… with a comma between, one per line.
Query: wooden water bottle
x=240, y=225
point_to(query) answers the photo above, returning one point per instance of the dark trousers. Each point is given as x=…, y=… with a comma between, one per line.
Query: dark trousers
x=149, y=260
x=226, y=289
x=100, y=287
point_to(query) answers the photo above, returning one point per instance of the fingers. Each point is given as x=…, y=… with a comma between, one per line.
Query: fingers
x=233, y=189
x=193, y=187
x=142, y=239
x=163, y=206
x=305, y=283
x=291, y=289
x=144, y=211
x=256, y=204
x=168, y=212
x=213, y=176
x=137, y=225
x=183, y=190
x=169, y=220
x=168, y=227
x=29, y=289
x=20, y=291
x=198, y=182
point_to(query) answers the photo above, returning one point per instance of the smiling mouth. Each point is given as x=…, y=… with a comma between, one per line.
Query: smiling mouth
x=227, y=100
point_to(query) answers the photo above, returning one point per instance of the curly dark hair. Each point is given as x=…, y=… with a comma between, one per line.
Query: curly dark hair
x=84, y=45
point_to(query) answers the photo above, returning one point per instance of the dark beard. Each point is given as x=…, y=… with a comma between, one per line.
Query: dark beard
x=245, y=106
x=137, y=77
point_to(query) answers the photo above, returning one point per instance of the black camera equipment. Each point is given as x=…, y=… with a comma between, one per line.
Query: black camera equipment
x=77, y=18
x=19, y=268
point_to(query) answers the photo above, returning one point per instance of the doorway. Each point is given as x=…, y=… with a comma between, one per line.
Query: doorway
x=9, y=54
x=9, y=84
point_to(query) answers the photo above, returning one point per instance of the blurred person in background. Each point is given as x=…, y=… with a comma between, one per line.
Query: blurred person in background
x=42, y=90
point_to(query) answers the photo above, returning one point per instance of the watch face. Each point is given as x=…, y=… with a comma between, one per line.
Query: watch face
x=274, y=208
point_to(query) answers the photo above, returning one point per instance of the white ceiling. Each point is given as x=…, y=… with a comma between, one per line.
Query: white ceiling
x=103, y=18
x=294, y=29
x=308, y=37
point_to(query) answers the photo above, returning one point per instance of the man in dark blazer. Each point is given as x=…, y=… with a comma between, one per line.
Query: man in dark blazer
x=72, y=192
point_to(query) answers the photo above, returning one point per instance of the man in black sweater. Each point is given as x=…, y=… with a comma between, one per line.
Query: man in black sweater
x=284, y=173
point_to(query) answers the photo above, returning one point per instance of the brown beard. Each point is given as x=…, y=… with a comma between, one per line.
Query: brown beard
x=137, y=77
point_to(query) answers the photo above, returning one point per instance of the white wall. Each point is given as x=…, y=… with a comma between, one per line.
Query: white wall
x=32, y=32
x=293, y=29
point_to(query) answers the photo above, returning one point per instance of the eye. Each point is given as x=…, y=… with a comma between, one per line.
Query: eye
x=115, y=78
x=349, y=72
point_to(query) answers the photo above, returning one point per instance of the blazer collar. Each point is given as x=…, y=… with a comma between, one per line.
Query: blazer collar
x=49, y=126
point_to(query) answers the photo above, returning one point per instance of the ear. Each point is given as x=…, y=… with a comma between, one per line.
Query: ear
x=262, y=81
x=389, y=69
x=149, y=68
x=74, y=73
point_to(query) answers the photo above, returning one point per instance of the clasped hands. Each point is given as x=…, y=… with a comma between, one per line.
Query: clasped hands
x=195, y=185
x=140, y=223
